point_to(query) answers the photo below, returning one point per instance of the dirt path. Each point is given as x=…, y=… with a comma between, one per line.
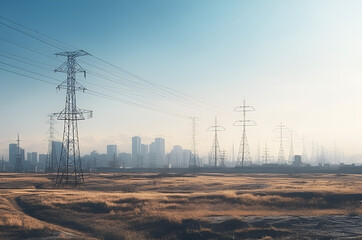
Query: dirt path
x=20, y=225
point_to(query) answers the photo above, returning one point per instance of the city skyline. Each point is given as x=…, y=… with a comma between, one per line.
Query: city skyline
x=227, y=54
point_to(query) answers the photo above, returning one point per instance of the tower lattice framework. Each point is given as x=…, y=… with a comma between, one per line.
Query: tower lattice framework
x=244, y=154
x=215, y=153
x=51, y=163
x=194, y=161
x=18, y=160
x=70, y=165
x=281, y=129
x=291, y=151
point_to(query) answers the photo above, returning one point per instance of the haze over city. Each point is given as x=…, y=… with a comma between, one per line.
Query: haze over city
x=294, y=61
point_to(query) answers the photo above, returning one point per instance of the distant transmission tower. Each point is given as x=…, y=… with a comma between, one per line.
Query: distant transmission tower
x=291, y=152
x=223, y=158
x=265, y=156
x=70, y=166
x=194, y=157
x=18, y=160
x=51, y=163
x=281, y=129
x=215, y=150
x=244, y=154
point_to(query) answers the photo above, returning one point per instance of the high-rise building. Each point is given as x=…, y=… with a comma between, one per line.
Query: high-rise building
x=112, y=155
x=186, y=154
x=136, y=152
x=176, y=157
x=144, y=155
x=13, y=148
x=160, y=152
x=34, y=158
x=125, y=160
x=152, y=155
x=22, y=155
x=42, y=161
x=56, y=151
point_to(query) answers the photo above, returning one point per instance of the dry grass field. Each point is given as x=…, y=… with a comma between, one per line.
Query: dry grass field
x=182, y=206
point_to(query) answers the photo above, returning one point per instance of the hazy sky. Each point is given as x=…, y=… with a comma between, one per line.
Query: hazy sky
x=295, y=61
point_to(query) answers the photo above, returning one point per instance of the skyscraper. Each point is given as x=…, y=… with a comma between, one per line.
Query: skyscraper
x=176, y=157
x=13, y=148
x=56, y=151
x=144, y=155
x=111, y=155
x=34, y=158
x=160, y=152
x=42, y=161
x=136, y=152
x=152, y=155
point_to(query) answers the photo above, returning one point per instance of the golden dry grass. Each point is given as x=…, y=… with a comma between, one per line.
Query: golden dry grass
x=111, y=206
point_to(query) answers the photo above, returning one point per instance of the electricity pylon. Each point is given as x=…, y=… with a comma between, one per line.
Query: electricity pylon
x=223, y=158
x=244, y=154
x=215, y=150
x=70, y=166
x=265, y=156
x=18, y=160
x=291, y=151
x=281, y=129
x=194, y=157
x=51, y=162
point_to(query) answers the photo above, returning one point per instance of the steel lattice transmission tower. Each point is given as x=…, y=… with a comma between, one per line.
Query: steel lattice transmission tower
x=70, y=166
x=194, y=156
x=223, y=158
x=215, y=149
x=281, y=129
x=51, y=162
x=291, y=152
x=244, y=154
x=18, y=160
x=265, y=157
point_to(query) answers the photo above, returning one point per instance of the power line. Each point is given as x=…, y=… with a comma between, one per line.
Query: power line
x=18, y=24
x=95, y=93
x=27, y=76
x=29, y=49
x=29, y=71
x=165, y=89
x=18, y=30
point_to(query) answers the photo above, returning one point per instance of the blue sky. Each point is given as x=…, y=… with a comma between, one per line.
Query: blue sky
x=294, y=61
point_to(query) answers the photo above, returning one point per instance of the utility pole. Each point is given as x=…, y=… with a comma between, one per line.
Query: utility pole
x=194, y=157
x=281, y=129
x=18, y=160
x=70, y=167
x=51, y=161
x=244, y=154
x=215, y=150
